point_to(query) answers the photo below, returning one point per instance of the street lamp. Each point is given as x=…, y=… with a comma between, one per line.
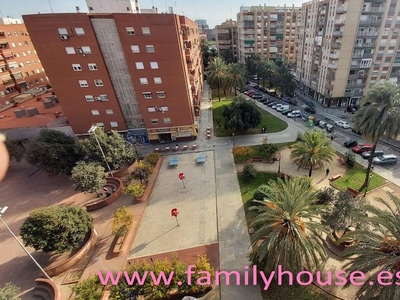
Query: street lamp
x=93, y=130
x=233, y=139
x=22, y=246
x=279, y=163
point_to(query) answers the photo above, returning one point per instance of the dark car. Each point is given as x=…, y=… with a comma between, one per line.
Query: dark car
x=257, y=96
x=352, y=109
x=350, y=143
x=309, y=103
x=286, y=111
x=355, y=131
x=262, y=89
x=316, y=122
x=362, y=148
x=310, y=109
x=293, y=102
x=367, y=154
x=270, y=104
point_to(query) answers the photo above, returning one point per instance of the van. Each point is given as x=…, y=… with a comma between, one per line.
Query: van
x=322, y=124
x=283, y=107
x=389, y=159
x=367, y=154
x=329, y=127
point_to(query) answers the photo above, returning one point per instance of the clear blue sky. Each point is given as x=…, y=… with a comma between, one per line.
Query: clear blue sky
x=214, y=11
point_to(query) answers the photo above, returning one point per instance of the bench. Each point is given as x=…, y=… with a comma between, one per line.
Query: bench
x=174, y=161
x=201, y=158
x=352, y=191
x=336, y=177
x=342, y=161
x=257, y=159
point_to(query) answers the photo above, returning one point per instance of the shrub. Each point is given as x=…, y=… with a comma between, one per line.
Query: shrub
x=152, y=158
x=325, y=196
x=89, y=289
x=142, y=172
x=122, y=220
x=10, y=292
x=299, y=137
x=88, y=177
x=242, y=154
x=249, y=171
x=135, y=190
x=268, y=150
x=262, y=192
x=350, y=159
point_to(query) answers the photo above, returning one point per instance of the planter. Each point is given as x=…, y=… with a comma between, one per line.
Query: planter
x=125, y=171
x=123, y=243
x=46, y=289
x=151, y=182
x=111, y=182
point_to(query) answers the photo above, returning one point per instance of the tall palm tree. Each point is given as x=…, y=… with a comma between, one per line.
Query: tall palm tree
x=314, y=149
x=379, y=116
x=216, y=72
x=288, y=231
x=377, y=249
x=235, y=76
x=267, y=70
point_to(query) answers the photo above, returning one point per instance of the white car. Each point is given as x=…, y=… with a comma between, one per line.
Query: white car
x=294, y=114
x=252, y=84
x=342, y=124
x=276, y=106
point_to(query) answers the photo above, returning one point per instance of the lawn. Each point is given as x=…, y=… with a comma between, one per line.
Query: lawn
x=270, y=122
x=355, y=178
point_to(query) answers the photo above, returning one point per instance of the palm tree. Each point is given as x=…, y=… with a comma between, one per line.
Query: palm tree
x=267, y=68
x=314, y=149
x=216, y=72
x=379, y=116
x=288, y=231
x=235, y=76
x=377, y=249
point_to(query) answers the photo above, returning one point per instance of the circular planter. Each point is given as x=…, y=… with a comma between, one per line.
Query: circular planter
x=111, y=182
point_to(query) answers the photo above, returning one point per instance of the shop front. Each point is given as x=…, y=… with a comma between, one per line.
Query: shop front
x=172, y=134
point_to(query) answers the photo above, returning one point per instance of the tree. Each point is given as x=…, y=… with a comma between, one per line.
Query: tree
x=142, y=172
x=378, y=116
x=56, y=228
x=227, y=55
x=89, y=289
x=284, y=80
x=315, y=150
x=122, y=220
x=288, y=231
x=216, y=72
x=117, y=152
x=55, y=152
x=377, y=249
x=88, y=177
x=10, y=292
x=252, y=65
x=15, y=150
x=241, y=114
x=268, y=70
x=235, y=76
x=205, y=53
x=341, y=216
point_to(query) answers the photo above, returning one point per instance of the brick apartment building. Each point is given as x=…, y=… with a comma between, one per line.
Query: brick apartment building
x=18, y=59
x=140, y=73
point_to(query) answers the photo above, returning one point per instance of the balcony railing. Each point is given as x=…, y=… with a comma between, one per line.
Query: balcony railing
x=337, y=33
x=349, y=94
x=356, y=85
x=332, y=66
x=341, y=10
x=367, y=33
x=339, y=22
x=373, y=10
x=8, y=81
x=370, y=22
x=335, y=45
x=333, y=56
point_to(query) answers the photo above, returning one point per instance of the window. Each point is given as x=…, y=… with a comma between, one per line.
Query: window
x=154, y=121
x=89, y=98
x=15, y=33
x=150, y=49
x=69, y=50
x=21, y=65
x=143, y=80
x=37, y=71
x=95, y=112
x=86, y=50
x=157, y=80
x=83, y=83
x=34, y=61
x=154, y=65
x=29, y=52
x=13, y=45
x=76, y=67
x=92, y=67
x=135, y=49
x=98, y=82
x=160, y=95
x=26, y=74
x=114, y=124
x=19, y=43
x=109, y=112
x=167, y=120
x=146, y=30
x=17, y=55
x=79, y=31
x=28, y=62
x=103, y=97
x=33, y=72
x=164, y=108
x=41, y=79
x=147, y=95
x=26, y=43
x=130, y=30
x=151, y=109
x=62, y=31
x=139, y=65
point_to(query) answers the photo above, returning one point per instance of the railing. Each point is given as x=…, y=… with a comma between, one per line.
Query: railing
x=341, y=10
x=373, y=10
x=335, y=45
x=367, y=33
x=356, y=85
x=332, y=66
x=337, y=33
x=339, y=22
x=333, y=56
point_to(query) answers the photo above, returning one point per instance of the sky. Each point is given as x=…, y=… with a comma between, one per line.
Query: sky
x=214, y=11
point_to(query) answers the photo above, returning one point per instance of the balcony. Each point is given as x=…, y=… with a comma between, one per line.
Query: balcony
x=336, y=45
x=365, y=45
x=332, y=66
x=329, y=86
x=341, y=10
x=333, y=56
x=4, y=45
x=2, y=35
x=8, y=81
x=337, y=33
x=322, y=12
x=367, y=33
x=339, y=22
x=350, y=94
x=373, y=10
x=370, y=22
x=330, y=76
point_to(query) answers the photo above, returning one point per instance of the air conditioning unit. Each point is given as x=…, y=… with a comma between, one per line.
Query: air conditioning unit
x=79, y=51
x=64, y=37
x=97, y=98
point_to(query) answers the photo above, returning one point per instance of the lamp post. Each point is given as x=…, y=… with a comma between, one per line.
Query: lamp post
x=22, y=246
x=93, y=130
x=233, y=139
x=279, y=163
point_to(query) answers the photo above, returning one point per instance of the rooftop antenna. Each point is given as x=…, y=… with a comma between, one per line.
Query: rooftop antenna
x=51, y=8
x=78, y=10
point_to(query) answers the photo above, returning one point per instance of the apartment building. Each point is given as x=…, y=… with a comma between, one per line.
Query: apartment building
x=140, y=73
x=347, y=46
x=20, y=67
x=268, y=31
x=227, y=36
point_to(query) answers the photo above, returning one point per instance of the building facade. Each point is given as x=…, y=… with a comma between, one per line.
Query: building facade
x=140, y=73
x=227, y=38
x=268, y=31
x=347, y=46
x=20, y=67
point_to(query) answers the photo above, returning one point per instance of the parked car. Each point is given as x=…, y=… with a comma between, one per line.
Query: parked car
x=352, y=109
x=293, y=102
x=294, y=114
x=355, y=131
x=286, y=111
x=350, y=143
x=330, y=128
x=283, y=107
x=367, y=154
x=257, y=96
x=342, y=124
x=362, y=148
x=272, y=104
x=309, y=103
x=271, y=92
x=249, y=91
x=265, y=101
x=276, y=106
x=389, y=159
x=310, y=109
x=322, y=124
x=262, y=89
x=252, y=84
x=316, y=122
